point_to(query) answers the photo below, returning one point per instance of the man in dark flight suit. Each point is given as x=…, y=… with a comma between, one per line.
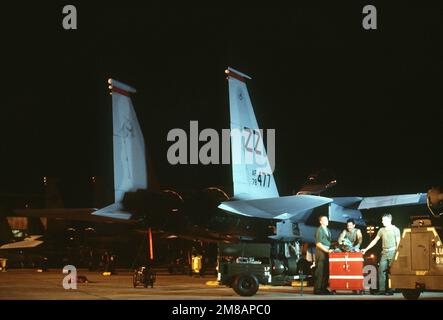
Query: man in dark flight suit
x=323, y=242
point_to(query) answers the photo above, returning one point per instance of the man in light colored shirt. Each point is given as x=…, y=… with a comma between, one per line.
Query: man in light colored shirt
x=390, y=236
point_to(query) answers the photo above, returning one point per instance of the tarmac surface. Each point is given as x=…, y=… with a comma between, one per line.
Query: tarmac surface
x=28, y=284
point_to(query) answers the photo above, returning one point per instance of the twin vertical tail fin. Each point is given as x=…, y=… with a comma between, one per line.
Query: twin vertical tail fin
x=130, y=171
x=130, y=166
x=252, y=170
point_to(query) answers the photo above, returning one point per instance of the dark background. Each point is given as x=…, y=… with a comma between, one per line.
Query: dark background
x=366, y=105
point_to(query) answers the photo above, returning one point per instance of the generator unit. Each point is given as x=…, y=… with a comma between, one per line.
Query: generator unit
x=244, y=266
x=418, y=263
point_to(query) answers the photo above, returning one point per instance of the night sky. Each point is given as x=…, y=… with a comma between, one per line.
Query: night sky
x=366, y=105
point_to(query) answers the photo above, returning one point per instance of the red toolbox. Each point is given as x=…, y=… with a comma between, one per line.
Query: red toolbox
x=346, y=271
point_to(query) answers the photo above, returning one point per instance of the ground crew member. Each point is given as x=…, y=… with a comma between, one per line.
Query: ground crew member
x=351, y=236
x=390, y=236
x=323, y=242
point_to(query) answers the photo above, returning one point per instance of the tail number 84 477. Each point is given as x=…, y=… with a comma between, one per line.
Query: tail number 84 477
x=261, y=179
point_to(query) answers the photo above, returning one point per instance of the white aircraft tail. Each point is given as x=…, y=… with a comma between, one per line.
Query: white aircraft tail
x=252, y=171
x=130, y=171
x=130, y=166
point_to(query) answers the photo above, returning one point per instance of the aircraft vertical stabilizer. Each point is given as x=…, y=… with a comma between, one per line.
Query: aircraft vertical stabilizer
x=130, y=166
x=130, y=171
x=251, y=169
x=255, y=191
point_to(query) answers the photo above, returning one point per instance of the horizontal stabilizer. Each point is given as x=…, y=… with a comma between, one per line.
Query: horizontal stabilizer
x=390, y=201
x=275, y=208
x=57, y=213
x=30, y=242
x=107, y=214
x=113, y=211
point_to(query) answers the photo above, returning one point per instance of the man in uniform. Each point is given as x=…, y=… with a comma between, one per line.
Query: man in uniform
x=351, y=236
x=390, y=236
x=323, y=242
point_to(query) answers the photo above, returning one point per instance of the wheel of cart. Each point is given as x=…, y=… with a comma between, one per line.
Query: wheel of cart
x=411, y=294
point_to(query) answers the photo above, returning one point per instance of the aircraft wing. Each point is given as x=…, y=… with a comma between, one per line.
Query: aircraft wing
x=77, y=214
x=362, y=203
x=392, y=201
x=275, y=208
x=344, y=208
